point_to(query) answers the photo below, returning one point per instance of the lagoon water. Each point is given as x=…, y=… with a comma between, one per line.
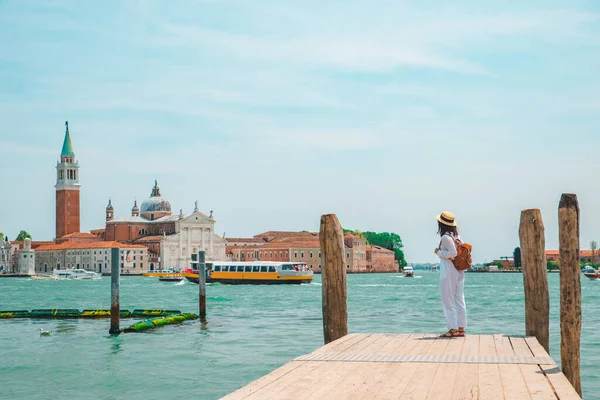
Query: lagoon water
x=251, y=330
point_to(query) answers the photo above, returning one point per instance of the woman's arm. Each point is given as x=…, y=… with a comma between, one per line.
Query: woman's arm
x=447, y=248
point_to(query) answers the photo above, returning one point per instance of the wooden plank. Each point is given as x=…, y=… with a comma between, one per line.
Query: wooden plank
x=274, y=376
x=342, y=343
x=538, y=385
x=260, y=383
x=559, y=381
x=396, y=377
x=513, y=382
x=326, y=374
x=445, y=377
x=425, y=373
x=490, y=383
x=370, y=386
x=467, y=375
x=344, y=379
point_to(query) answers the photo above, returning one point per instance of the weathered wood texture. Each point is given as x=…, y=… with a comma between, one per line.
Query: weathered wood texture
x=115, y=285
x=202, y=285
x=333, y=276
x=570, y=289
x=535, y=278
x=347, y=369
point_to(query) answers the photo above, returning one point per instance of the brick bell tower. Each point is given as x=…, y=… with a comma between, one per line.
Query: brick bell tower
x=67, y=189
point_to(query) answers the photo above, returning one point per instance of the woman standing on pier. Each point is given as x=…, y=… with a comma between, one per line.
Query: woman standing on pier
x=452, y=281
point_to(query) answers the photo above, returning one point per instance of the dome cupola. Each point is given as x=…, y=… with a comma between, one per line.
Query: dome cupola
x=156, y=206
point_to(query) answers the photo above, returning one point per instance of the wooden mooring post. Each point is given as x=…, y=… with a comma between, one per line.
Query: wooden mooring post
x=333, y=275
x=535, y=279
x=570, y=289
x=202, y=284
x=115, y=307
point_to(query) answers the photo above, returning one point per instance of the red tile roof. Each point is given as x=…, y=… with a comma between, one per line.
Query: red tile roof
x=88, y=245
x=278, y=234
x=151, y=238
x=79, y=235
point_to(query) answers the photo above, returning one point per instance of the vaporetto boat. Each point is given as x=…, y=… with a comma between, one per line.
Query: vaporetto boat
x=75, y=274
x=162, y=272
x=254, y=272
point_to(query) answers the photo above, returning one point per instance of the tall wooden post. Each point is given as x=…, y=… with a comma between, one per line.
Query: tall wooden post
x=535, y=279
x=202, y=284
x=333, y=275
x=570, y=289
x=115, y=308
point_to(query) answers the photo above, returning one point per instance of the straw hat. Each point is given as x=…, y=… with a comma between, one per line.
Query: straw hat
x=447, y=218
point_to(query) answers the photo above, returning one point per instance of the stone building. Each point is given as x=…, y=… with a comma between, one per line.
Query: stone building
x=305, y=247
x=173, y=241
x=67, y=189
x=8, y=252
x=26, y=259
x=91, y=256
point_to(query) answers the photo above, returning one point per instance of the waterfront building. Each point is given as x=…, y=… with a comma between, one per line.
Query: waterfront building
x=26, y=259
x=67, y=189
x=7, y=253
x=305, y=247
x=173, y=241
x=587, y=256
x=91, y=256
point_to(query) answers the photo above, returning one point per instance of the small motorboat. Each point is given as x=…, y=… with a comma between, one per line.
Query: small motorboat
x=593, y=275
x=43, y=277
x=171, y=278
x=408, y=272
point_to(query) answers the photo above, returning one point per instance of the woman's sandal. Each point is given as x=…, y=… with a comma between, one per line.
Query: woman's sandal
x=451, y=333
x=461, y=332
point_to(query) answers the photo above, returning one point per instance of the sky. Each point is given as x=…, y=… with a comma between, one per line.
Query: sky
x=272, y=113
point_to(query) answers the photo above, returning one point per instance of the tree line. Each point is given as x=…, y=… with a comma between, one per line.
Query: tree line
x=388, y=240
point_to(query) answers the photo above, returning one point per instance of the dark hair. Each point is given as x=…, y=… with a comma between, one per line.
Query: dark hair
x=443, y=229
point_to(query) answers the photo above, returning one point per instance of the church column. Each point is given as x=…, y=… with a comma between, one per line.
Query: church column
x=179, y=257
x=210, y=240
x=202, y=238
x=189, y=246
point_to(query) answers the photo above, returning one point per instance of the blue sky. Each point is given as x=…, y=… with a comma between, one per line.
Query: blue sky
x=272, y=113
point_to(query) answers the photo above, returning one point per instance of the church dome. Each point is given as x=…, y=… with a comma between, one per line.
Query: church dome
x=155, y=203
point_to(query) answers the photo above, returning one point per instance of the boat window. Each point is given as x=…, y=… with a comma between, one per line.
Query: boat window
x=255, y=268
x=272, y=269
x=287, y=267
x=217, y=268
x=248, y=268
x=263, y=268
x=224, y=268
x=240, y=268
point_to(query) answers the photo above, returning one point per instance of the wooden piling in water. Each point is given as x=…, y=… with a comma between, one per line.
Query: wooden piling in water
x=115, y=307
x=333, y=275
x=570, y=289
x=202, y=284
x=535, y=279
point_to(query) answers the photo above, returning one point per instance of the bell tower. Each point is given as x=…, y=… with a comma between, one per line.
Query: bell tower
x=67, y=189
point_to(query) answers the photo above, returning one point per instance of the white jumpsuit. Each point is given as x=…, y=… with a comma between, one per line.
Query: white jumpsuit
x=452, y=286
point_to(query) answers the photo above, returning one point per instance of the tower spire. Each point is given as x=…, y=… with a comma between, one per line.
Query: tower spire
x=67, y=149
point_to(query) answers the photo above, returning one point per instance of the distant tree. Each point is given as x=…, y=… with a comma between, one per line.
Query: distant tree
x=499, y=264
x=390, y=241
x=552, y=265
x=517, y=257
x=1, y=236
x=593, y=246
x=22, y=236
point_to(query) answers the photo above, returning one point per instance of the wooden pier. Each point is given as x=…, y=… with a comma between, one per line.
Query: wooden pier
x=417, y=366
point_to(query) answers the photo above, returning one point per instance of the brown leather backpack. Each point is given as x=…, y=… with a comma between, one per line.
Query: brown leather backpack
x=463, y=260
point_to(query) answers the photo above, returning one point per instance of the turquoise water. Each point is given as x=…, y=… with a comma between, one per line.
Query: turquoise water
x=251, y=330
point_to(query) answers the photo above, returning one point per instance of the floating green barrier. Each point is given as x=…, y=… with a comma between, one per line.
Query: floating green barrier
x=55, y=313
x=153, y=313
x=14, y=314
x=102, y=314
x=162, y=321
